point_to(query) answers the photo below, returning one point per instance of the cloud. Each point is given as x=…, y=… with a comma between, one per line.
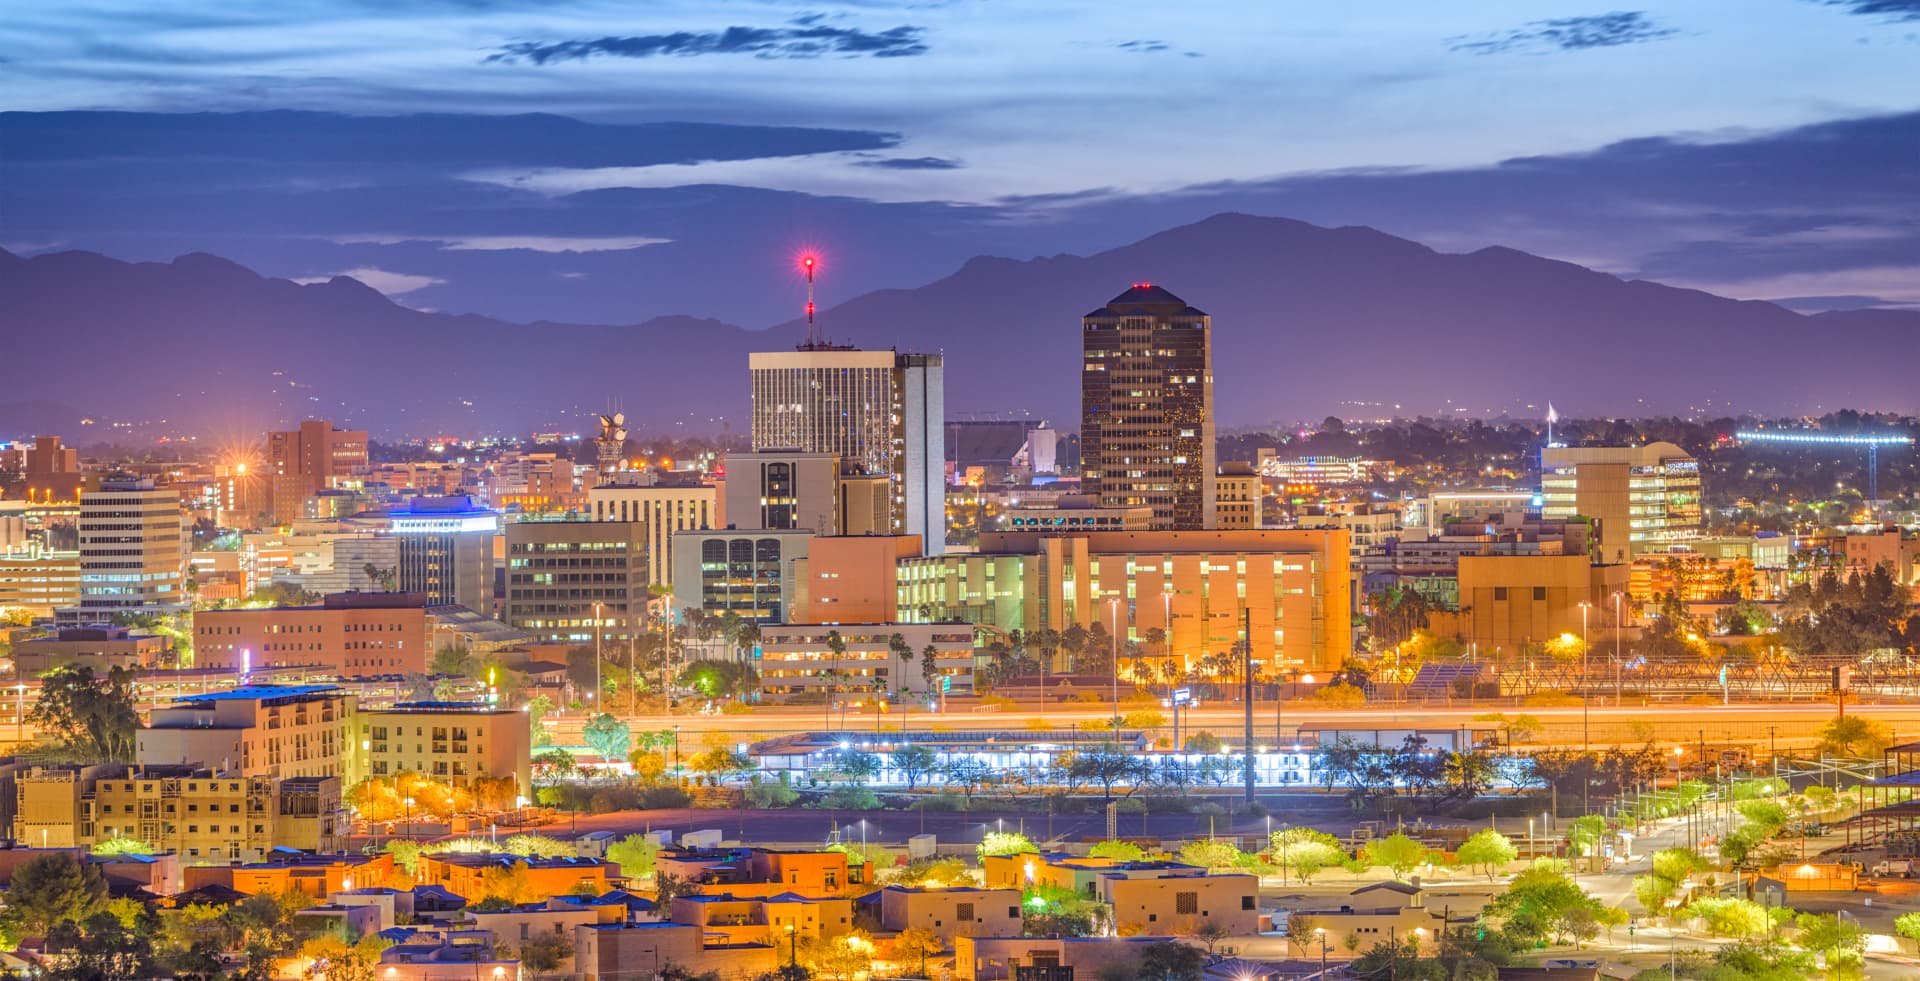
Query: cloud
x=1569, y=34
x=912, y=163
x=1892, y=10
x=390, y=283
x=552, y=243
x=804, y=40
x=1142, y=47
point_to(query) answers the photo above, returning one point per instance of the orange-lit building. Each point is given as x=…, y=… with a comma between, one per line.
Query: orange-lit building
x=756, y=872
x=348, y=634
x=1511, y=602
x=851, y=578
x=462, y=873
x=317, y=876
x=304, y=461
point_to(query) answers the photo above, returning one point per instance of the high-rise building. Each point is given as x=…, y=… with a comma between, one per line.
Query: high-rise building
x=816, y=492
x=302, y=462
x=557, y=571
x=1238, y=497
x=1646, y=498
x=133, y=552
x=880, y=411
x=1146, y=407
x=446, y=551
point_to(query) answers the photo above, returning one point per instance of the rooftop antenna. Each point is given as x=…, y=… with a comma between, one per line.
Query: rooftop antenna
x=809, y=263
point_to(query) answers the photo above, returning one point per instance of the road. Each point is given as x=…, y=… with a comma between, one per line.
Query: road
x=1748, y=725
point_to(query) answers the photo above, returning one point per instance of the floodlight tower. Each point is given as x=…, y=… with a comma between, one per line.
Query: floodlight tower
x=1872, y=442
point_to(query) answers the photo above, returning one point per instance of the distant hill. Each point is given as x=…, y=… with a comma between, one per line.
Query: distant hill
x=1305, y=319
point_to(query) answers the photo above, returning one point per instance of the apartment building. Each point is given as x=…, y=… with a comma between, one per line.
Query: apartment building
x=454, y=742
x=275, y=731
x=347, y=634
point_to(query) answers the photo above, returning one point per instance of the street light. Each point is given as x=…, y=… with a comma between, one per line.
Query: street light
x=1586, y=733
x=1617, y=626
x=409, y=801
x=596, y=650
x=1113, y=603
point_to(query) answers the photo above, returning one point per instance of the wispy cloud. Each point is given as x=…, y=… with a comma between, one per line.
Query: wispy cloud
x=806, y=39
x=557, y=244
x=1609, y=30
x=912, y=163
x=386, y=281
x=1894, y=10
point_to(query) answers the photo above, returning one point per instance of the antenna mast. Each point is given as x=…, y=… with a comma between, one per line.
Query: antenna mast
x=808, y=262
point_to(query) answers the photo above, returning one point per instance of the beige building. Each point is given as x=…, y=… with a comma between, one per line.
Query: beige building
x=1001, y=958
x=38, y=581
x=624, y=951
x=101, y=648
x=1194, y=586
x=1375, y=914
x=347, y=634
x=665, y=509
x=1511, y=602
x=274, y=731
x=1153, y=897
x=450, y=741
x=1646, y=498
x=133, y=552
x=800, y=658
x=949, y=913
x=195, y=813
x=1238, y=496
x=577, y=581
x=817, y=492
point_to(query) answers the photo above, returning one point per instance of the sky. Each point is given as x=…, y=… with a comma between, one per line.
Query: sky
x=686, y=151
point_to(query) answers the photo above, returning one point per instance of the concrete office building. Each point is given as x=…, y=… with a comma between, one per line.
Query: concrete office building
x=1195, y=586
x=665, y=509
x=38, y=580
x=879, y=411
x=1238, y=497
x=347, y=634
x=1146, y=407
x=1646, y=498
x=851, y=579
x=133, y=552
x=446, y=551
x=302, y=462
x=745, y=572
x=575, y=581
x=788, y=490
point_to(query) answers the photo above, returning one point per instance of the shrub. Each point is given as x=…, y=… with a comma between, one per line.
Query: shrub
x=850, y=799
x=940, y=803
x=1341, y=696
x=771, y=795
x=664, y=798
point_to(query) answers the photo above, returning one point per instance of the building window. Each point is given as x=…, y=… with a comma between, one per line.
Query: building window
x=1499, y=594
x=1186, y=903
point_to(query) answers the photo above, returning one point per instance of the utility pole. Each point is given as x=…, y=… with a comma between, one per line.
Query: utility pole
x=1246, y=673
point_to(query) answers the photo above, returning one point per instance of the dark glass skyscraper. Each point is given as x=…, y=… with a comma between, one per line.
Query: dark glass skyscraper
x=1146, y=407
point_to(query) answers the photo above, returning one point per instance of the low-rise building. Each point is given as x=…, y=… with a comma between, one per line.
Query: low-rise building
x=461, y=743
x=1002, y=958
x=273, y=731
x=192, y=812
x=38, y=580
x=315, y=876
x=99, y=647
x=959, y=911
x=347, y=634
x=861, y=658
x=1373, y=914
x=1145, y=896
x=764, y=919
x=464, y=874
x=622, y=951
x=752, y=872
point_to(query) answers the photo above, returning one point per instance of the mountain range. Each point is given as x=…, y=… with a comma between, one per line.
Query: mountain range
x=1308, y=321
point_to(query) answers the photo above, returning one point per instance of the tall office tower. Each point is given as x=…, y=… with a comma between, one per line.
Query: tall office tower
x=558, y=570
x=665, y=507
x=446, y=551
x=1646, y=498
x=303, y=462
x=920, y=449
x=132, y=552
x=1146, y=407
x=880, y=411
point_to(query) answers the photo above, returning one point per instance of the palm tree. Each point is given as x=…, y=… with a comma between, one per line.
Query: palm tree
x=898, y=647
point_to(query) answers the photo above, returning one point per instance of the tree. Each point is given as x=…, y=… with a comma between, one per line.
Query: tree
x=1840, y=941
x=49, y=890
x=1212, y=854
x=1005, y=843
x=334, y=959
x=844, y=956
x=914, y=763
x=1489, y=850
x=667, y=887
x=1397, y=853
x=769, y=795
x=122, y=845
x=1305, y=851
x=1907, y=925
x=508, y=883
x=634, y=854
x=1106, y=765
x=720, y=764
x=544, y=952
x=1736, y=918
x=1544, y=901
x=1170, y=960
x=917, y=943
x=1854, y=737
x=1119, y=851
x=608, y=736
x=93, y=717
x=857, y=765
x=969, y=774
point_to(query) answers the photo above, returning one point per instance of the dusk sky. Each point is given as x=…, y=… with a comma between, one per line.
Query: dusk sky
x=1757, y=148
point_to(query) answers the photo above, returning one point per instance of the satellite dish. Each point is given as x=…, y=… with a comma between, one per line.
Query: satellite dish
x=620, y=419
